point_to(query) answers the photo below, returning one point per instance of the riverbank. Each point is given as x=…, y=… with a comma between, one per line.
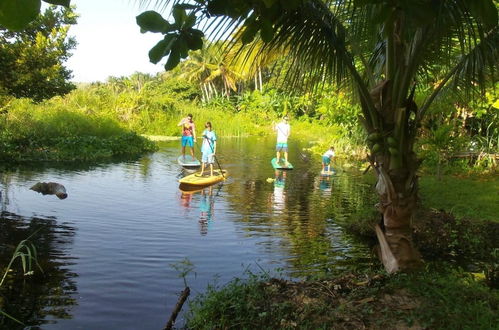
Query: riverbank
x=90, y=123
x=443, y=295
x=440, y=297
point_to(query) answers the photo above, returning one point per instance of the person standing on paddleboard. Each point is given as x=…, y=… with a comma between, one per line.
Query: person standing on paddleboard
x=283, y=131
x=208, y=148
x=188, y=134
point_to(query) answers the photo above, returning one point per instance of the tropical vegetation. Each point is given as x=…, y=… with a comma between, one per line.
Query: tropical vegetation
x=33, y=59
x=407, y=86
x=388, y=50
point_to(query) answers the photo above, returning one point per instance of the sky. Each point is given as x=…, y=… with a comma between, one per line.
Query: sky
x=109, y=41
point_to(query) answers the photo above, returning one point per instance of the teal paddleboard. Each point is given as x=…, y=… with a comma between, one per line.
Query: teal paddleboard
x=188, y=161
x=281, y=165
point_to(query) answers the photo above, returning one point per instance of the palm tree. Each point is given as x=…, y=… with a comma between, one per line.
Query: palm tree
x=250, y=59
x=386, y=50
x=208, y=67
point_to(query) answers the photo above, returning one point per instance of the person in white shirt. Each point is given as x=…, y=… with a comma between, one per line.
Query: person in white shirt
x=283, y=131
x=326, y=160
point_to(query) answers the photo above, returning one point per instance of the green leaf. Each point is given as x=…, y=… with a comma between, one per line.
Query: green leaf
x=162, y=48
x=189, y=21
x=186, y=6
x=290, y=4
x=360, y=3
x=173, y=60
x=249, y=33
x=16, y=14
x=485, y=10
x=194, y=42
x=197, y=33
x=267, y=31
x=217, y=7
x=182, y=47
x=64, y=3
x=151, y=21
x=269, y=3
x=179, y=15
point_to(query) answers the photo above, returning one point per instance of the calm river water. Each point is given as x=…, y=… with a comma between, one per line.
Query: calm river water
x=113, y=251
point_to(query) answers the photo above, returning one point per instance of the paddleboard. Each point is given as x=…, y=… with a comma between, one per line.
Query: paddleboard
x=280, y=165
x=188, y=161
x=205, y=180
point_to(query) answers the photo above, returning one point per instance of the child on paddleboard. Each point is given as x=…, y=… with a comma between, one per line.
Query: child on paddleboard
x=326, y=160
x=208, y=148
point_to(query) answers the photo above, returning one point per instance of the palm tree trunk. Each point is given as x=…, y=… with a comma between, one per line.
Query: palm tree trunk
x=213, y=89
x=260, y=77
x=204, y=97
x=398, y=199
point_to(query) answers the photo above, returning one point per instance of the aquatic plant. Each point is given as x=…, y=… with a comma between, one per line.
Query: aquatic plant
x=27, y=254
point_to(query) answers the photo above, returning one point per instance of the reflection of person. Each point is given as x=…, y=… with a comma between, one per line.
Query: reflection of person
x=325, y=184
x=206, y=207
x=185, y=199
x=326, y=160
x=279, y=196
x=208, y=148
x=188, y=134
x=283, y=131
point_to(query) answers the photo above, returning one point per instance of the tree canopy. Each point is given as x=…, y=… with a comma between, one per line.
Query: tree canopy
x=32, y=59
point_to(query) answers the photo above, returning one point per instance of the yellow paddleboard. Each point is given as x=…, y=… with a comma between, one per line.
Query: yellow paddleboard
x=205, y=180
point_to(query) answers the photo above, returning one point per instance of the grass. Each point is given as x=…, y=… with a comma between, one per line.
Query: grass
x=436, y=298
x=27, y=254
x=465, y=197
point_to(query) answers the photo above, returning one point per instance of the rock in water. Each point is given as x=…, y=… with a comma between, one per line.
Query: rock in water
x=50, y=188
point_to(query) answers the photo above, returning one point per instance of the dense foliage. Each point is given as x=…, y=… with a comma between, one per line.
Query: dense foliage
x=32, y=61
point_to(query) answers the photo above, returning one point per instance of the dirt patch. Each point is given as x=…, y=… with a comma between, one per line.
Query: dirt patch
x=347, y=302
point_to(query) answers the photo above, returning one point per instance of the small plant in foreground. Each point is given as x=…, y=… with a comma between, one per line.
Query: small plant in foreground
x=26, y=252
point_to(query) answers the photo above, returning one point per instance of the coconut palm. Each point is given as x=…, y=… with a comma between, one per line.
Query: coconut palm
x=250, y=59
x=386, y=50
x=207, y=67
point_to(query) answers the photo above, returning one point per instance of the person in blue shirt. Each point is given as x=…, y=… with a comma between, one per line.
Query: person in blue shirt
x=208, y=148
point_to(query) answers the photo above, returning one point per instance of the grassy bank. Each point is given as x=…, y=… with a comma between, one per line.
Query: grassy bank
x=101, y=121
x=441, y=296
x=437, y=298
x=474, y=197
x=31, y=132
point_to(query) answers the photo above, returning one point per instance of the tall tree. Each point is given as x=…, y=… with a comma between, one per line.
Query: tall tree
x=32, y=60
x=386, y=49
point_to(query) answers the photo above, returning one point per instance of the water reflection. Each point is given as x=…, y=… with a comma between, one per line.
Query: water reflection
x=279, y=195
x=46, y=296
x=206, y=203
x=133, y=221
x=325, y=184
